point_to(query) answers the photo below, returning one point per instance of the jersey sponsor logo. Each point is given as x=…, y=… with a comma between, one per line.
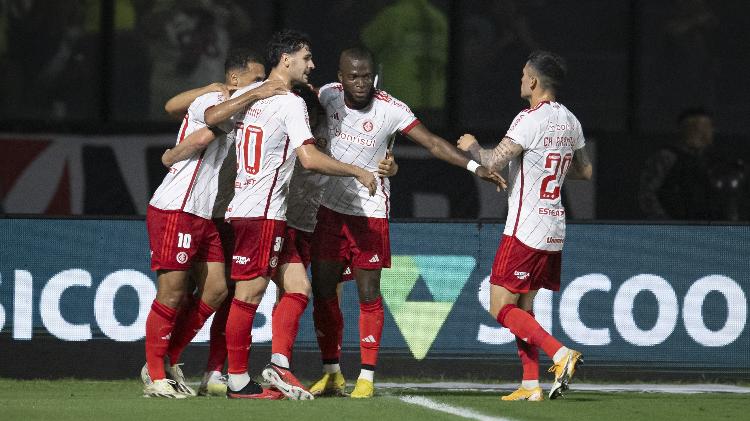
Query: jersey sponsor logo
x=552, y=212
x=182, y=257
x=553, y=240
x=521, y=275
x=368, y=126
x=353, y=138
x=374, y=259
x=241, y=260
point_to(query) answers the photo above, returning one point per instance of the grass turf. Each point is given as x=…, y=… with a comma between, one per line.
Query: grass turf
x=121, y=400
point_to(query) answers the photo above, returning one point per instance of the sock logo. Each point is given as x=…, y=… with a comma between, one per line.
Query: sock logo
x=444, y=276
x=369, y=339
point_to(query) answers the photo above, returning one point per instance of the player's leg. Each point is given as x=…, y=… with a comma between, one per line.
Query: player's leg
x=530, y=389
x=371, y=316
x=285, y=326
x=329, y=325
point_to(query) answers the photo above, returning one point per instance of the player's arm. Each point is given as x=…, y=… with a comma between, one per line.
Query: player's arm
x=441, y=149
x=496, y=159
x=227, y=109
x=195, y=142
x=387, y=167
x=581, y=168
x=314, y=160
x=178, y=105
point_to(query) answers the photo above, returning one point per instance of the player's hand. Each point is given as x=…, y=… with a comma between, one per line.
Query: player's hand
x=466, y=141
x=368, y=180
x=388, y=166
x=166, y=158
x=492, y=177
x=271, y=88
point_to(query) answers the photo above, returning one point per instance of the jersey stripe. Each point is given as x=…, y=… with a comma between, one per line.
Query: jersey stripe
x=192, y=180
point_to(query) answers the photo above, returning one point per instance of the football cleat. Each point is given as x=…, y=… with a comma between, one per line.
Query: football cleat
x=145, y=377
x=174, y=372
x=253, y=390
x=331, y=384
x=162, y=388
x=523, y=394
x=363, y=389
x=213, y=384
x=564, y=371
x=283, y=380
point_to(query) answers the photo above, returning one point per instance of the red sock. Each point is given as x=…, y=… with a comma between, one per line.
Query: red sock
x=217, y=348
x=526, y=327
x=370, y=331
x=159, y=324
x=239, y=335
x=285, y=323
x=188, y=323
x=529, y=357
x=329, y=328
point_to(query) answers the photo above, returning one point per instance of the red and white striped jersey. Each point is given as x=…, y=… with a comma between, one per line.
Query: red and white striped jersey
x=266, y=136
x=191, y=185
x=549, y=134
x=306, y=189
x=361, y=137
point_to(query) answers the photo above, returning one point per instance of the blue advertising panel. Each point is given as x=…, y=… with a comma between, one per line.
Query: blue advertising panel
x=667, y=294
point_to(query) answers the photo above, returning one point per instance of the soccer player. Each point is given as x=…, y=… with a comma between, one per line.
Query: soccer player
x=352, y=225
x=183, y=238
x=269, y=136
x=543, y=146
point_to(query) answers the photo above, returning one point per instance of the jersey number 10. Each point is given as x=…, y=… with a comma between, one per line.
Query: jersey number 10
x=560, y=166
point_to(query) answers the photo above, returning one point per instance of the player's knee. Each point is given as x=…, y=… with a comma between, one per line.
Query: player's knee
x=367, y=295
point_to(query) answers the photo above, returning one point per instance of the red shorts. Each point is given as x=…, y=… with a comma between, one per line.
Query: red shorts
x=363, y=242
x=257, y=246
x=177, y=239
x=520, y=268
x=296, y=247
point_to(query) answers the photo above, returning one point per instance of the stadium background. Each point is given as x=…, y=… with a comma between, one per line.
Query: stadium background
x=82, y=129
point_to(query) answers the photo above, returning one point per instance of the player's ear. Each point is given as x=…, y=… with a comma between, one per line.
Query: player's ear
x=341, y=77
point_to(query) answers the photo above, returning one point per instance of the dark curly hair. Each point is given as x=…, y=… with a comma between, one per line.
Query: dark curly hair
x=287, y=41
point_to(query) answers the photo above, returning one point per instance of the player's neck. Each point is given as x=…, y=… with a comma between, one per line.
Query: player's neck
x=537, y=99
x=277, y=74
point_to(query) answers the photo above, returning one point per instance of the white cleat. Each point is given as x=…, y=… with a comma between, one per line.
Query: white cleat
x=174, y=372
x=162, y=388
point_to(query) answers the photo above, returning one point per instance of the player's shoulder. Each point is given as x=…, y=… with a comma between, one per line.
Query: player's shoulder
x=383, y=98
x=207, y=100
x=329, y=92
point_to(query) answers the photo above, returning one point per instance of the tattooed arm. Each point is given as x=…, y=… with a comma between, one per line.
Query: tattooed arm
x=494, y=159
x=581, y=168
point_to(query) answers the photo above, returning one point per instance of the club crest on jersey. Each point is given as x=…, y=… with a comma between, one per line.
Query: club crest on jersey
x=368, y=126
x=274, y=261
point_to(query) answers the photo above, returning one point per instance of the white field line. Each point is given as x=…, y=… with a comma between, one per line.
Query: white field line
x=588, y=387
x=449, y=409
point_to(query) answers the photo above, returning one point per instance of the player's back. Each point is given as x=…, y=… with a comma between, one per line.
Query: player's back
x=549, y=135
x=191, y=185
x=266, y=136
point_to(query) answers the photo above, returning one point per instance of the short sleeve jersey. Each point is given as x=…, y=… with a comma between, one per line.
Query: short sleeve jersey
x=191, y=185
x=266, y=136
x=306, y=189
x=361, y=138
x=549, y=134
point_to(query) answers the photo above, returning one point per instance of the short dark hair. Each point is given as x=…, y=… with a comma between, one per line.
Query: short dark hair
x=359, y=52
x=551, y=68
x=239, y=58
x=693, y=112
x=287, y=41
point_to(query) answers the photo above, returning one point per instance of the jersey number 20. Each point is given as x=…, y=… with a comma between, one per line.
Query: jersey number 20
x=560, y=168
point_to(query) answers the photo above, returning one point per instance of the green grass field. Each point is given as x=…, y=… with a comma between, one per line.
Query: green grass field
x=121, y=400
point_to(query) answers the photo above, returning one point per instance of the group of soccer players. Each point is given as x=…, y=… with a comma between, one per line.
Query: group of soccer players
x=278, y=177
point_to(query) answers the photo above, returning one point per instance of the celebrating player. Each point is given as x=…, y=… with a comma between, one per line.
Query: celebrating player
x=352, y=224
x=183, y=238
x=270, y=134
x=543, y=143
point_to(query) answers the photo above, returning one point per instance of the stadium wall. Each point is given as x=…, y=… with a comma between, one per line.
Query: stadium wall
x=75, y=293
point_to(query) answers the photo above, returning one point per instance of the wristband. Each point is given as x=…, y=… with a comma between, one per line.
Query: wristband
x=472, y=166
